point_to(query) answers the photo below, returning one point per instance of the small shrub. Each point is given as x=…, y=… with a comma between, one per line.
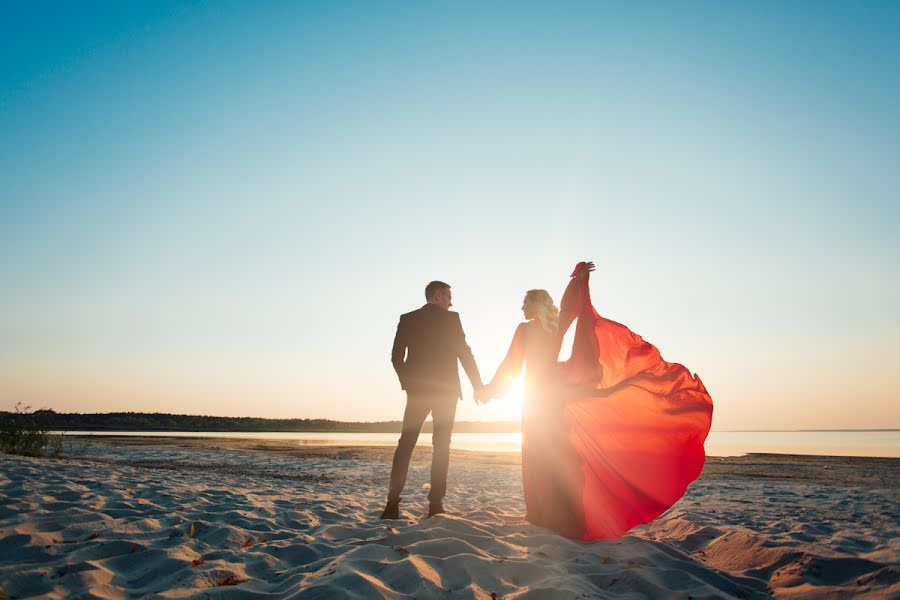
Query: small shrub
x=55, y=444
x=25, y=432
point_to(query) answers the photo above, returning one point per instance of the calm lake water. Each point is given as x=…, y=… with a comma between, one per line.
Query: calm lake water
x=719, y=443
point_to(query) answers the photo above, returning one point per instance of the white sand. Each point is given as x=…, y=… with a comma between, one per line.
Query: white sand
x=275, y=520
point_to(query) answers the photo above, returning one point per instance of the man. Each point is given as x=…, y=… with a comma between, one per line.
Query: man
x=427, y=345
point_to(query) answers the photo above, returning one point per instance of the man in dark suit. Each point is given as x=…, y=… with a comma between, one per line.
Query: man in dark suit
x=428, y=343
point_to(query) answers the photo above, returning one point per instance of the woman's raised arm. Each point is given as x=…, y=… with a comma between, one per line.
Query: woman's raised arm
x=576, y=297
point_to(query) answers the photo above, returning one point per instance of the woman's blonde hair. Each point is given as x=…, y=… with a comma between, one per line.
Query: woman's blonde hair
x=547, y=313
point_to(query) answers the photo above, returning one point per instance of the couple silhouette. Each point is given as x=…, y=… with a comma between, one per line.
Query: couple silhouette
x=611, y=437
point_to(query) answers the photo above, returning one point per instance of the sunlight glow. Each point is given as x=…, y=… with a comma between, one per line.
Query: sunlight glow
x=509, y=407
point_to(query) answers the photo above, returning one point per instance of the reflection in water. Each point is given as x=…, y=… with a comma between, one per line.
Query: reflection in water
x=719, y=443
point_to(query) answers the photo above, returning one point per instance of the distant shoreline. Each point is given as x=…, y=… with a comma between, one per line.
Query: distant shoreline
x=459, y=427
x=162, y=422
x=801, y=430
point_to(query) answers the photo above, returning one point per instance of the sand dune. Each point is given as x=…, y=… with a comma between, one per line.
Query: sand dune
x=175, y=519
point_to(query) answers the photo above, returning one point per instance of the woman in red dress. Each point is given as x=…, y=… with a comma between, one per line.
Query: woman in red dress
x=612, y=437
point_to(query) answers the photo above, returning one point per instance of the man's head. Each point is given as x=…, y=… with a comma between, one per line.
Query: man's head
x=438, y=293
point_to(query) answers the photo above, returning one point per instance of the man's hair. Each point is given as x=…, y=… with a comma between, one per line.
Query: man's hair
x=435, y=286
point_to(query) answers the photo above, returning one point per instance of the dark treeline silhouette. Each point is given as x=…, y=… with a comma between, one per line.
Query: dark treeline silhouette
x=134, y=421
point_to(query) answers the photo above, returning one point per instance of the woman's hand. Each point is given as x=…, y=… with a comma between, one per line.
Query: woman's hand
x=585, y=269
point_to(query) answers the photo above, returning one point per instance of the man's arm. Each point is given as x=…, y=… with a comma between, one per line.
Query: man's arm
x=464, y=353
x=398, y=352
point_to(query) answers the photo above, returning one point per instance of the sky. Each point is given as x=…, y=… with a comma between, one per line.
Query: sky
x=223, y=208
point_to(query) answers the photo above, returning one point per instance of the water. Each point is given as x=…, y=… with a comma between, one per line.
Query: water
x=719, y=443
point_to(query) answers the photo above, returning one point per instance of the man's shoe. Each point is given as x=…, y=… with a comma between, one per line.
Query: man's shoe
x=392, y=510
x=435, y=508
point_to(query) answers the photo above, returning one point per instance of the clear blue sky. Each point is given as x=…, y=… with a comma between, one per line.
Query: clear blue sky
x=222, y=208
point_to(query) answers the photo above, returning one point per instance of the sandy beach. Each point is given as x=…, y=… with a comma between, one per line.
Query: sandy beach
x=177, y=518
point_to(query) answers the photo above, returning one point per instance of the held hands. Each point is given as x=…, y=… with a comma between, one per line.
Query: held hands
x=482, y=395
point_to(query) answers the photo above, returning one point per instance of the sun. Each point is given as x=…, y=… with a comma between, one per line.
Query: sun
x=509, y=407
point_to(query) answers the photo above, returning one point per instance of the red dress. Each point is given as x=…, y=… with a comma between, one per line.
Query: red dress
x=612, y=437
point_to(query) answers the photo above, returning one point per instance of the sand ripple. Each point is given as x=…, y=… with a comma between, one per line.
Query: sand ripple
x=175, y=522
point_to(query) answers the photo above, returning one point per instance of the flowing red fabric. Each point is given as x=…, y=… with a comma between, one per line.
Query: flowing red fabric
x=616, y=437
x=637, y=422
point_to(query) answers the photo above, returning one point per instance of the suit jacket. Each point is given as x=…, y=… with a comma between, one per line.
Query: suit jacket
x=427, y=345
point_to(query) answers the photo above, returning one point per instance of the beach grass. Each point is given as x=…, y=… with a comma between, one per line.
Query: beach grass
x=27, y=433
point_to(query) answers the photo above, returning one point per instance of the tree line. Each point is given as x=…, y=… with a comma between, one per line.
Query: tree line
x=137, y=421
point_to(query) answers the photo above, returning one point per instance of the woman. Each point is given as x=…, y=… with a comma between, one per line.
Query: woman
x=612, y=437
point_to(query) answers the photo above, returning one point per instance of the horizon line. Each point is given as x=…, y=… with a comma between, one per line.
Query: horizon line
x=498, y=422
